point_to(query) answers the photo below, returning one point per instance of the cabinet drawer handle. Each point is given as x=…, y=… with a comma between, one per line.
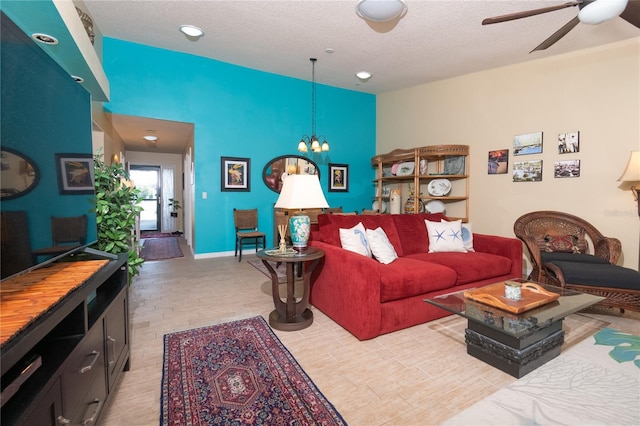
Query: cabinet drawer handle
x=86, y=368
x=113, y=349
x=63, y=420
x=94, y=415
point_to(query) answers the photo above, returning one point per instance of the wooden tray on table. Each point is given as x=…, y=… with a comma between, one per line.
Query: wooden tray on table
x=533, y=295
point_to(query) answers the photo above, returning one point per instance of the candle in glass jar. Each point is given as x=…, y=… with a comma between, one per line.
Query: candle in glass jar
x=513, y=290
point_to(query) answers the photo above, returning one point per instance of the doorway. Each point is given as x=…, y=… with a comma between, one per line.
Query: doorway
x=147, y=180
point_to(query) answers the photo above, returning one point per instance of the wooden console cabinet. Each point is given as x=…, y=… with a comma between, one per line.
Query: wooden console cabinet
x=64, y=340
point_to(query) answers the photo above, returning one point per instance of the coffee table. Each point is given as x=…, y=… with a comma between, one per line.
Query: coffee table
x=515, y=343
x=291, y=314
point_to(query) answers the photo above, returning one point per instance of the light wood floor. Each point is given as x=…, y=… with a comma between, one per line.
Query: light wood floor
x=417, y=376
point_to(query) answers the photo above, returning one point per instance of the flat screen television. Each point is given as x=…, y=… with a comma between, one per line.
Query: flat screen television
x=46, y=146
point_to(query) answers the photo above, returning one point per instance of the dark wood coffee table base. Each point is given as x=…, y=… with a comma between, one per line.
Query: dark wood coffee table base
x=514, y=356
x=301, y=321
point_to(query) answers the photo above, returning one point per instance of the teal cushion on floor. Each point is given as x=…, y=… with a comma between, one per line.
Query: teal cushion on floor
x=599, y=275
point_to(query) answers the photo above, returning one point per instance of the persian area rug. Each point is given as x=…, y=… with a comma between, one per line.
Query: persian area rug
x=160, y=248
x=238, y=373
x=596, y=382
x=281, y=269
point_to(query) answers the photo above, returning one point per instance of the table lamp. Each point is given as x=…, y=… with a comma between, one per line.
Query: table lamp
x=631, y=175
x=301, y=192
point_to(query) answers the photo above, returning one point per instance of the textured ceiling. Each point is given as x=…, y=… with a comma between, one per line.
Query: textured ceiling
x=435, y=40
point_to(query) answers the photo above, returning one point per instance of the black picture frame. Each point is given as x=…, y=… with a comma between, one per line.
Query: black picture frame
x=338, y=177
x=235, y=174
x=75, y=174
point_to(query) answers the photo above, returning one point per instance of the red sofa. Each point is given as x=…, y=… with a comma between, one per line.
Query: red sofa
x=369, y=298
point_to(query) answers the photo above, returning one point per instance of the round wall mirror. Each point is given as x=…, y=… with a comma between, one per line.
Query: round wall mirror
x=19, y=174
x=279, y=168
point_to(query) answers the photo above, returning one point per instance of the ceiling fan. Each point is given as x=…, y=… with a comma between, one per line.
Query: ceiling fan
x=591, y=12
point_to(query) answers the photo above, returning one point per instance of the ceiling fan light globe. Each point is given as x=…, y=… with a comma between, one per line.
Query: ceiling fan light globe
x=600, y=11
x=381, y=10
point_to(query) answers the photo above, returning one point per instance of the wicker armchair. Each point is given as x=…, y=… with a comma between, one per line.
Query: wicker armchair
x=567, y=251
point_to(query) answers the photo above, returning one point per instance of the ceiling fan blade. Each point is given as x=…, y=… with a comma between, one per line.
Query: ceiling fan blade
x=527, y=13
x=558, y=34
x=631, y=13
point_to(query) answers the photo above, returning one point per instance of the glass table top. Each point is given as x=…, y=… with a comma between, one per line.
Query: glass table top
x=516, y=325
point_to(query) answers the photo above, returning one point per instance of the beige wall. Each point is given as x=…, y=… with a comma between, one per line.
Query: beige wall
x=594, y=91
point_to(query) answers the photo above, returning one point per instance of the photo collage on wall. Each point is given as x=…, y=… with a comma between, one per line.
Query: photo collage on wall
x=531, y=170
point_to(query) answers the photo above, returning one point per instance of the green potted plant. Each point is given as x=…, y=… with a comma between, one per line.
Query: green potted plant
x=117, y=206
x=175, y=206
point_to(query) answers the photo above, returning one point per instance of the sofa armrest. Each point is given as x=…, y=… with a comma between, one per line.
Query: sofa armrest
x=346, y=287
x=510, y=248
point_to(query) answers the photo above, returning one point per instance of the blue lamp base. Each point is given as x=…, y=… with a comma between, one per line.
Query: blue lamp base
x=300, y=228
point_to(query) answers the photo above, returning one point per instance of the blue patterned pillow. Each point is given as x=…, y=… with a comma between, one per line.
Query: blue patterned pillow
x=355, y=240
x=445, y=236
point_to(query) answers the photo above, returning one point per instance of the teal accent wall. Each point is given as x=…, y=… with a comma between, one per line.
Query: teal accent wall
x=241, y=112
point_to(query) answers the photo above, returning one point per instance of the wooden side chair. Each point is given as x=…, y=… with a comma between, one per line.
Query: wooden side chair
x=246, y=223
x=568, y=251
x=66, y=234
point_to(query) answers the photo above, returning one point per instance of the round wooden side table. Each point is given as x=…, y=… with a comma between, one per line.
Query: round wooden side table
x=290, y=314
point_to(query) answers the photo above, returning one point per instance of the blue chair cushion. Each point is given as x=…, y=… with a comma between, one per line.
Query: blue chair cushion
x=599, y=275
x=553, y=256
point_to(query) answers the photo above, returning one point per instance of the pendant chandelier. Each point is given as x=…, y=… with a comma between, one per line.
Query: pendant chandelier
x=312, y=142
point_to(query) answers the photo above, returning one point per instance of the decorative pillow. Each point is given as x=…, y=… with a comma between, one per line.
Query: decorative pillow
x=355, y=240
x=467, y=235
x=445, y=236
x=381, y=247
x=561, y=243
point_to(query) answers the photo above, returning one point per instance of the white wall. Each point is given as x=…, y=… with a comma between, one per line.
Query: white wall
x=594, y=91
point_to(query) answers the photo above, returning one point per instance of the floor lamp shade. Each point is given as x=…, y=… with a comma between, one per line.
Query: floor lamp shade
x=301, y=192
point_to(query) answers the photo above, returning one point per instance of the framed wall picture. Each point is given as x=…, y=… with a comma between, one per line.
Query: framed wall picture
x=498, y=162
x=531, y=143
x=338, y=177
x=568, y=142
x=235, y=174
x=75, y=173
x=566, y=169
x=527, y=171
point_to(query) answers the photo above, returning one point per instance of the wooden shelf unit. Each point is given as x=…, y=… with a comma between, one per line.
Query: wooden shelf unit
x=69, y=321
x=436, y=157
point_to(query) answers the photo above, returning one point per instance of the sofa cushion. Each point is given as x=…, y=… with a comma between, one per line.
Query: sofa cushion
x=599, y=275
x=381, y=248
x=548, y=256
x=354, y=239
x=412, y=231
x=471, y=266
x=330, y=225
x=445, y=236
x=410, y=277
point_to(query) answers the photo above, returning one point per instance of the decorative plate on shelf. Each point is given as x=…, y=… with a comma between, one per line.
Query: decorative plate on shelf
x=435, y=206
x=439, y=187
x=382, y=209
x=405, y=169
x=454, y=165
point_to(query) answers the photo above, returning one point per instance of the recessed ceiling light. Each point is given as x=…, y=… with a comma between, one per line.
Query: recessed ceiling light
x=150, y=138
x=363, y=75
x=44, y=38
x=78, y=79
x=191, y=30
x=329, y=50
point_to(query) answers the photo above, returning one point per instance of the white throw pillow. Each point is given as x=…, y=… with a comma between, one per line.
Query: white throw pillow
x=445, y=236
x=467, y=236
x=381, y=246
x=355, y=240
